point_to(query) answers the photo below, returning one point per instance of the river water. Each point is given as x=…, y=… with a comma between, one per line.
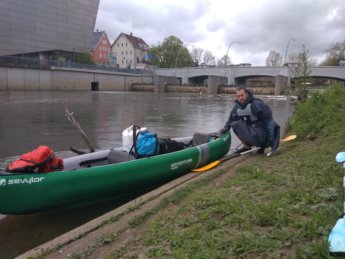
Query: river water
x=29, y=119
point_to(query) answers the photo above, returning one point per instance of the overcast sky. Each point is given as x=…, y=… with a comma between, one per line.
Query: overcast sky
x=260, y=25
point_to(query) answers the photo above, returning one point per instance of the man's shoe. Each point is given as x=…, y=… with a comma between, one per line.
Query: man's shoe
x=271, y=152
x=241, y=150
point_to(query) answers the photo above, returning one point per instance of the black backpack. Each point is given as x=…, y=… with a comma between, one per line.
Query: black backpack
x=168, y=145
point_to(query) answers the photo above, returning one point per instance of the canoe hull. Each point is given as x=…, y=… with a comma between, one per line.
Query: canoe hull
x=31, y=193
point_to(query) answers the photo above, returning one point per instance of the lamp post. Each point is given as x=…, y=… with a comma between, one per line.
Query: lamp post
x=287, y=47
x=226, y=56
x=73, y=57
x=178, y=52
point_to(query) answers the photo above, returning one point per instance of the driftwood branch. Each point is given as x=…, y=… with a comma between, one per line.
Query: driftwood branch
x=70, y=117
x=77, y=151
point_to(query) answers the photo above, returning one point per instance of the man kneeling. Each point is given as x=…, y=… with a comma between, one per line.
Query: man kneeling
x=251, y=120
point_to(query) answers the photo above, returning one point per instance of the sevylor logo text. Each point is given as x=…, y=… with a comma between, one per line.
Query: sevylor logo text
x=30, y=180
x=176, y=165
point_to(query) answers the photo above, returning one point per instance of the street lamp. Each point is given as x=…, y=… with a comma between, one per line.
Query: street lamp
x=73, y=56
x=226, y=56
x=287, y=47
x=178, y=52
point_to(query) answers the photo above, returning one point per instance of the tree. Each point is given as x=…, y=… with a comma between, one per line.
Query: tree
x=301, y=75
x=84, y=58
x=221, y=62
x=335, y=53
x=274, y=59
x=196, y=55
x=209, y=58
x=170, y=53
x=202, y=57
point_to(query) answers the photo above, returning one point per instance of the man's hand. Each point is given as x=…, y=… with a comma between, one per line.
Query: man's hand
x=222, y=131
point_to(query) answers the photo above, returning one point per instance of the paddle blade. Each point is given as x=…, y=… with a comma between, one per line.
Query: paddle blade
x=336, y=238
x=288, y=138
x=206, y=167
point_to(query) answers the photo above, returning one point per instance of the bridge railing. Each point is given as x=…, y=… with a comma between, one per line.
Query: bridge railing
x=36, y=63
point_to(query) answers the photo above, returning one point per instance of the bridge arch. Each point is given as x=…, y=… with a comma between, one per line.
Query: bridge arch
x=244, y=80
x=198, y=80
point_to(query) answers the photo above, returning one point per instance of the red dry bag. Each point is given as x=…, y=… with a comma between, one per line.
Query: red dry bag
x=40, y=160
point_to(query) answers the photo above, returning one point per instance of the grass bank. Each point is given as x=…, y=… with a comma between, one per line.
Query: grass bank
x=278, y=207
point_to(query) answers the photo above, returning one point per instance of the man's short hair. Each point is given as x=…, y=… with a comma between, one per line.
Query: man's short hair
x=239, y=88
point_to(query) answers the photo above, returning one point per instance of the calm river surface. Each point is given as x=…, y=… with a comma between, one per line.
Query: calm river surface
x=29, y=119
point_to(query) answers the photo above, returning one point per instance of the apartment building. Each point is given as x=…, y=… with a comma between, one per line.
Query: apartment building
x=130, y=51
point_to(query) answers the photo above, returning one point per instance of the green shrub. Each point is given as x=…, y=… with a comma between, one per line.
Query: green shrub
x=322, y=114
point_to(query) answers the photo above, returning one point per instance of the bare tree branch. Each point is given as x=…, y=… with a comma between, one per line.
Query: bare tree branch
x=70, y=117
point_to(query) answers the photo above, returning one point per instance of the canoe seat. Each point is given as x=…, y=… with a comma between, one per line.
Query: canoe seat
x=117, y=156
x=200, y=138
x=93, y=162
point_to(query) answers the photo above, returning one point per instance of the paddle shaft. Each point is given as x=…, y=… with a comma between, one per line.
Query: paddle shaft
x=343, y=187
x=228, y=157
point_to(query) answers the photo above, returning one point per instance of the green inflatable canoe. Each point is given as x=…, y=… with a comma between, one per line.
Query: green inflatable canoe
x=94, y=178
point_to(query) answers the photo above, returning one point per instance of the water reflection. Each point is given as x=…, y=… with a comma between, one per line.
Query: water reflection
x=29, y=119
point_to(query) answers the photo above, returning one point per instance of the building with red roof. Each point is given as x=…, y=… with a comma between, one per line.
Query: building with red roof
x=101, y=47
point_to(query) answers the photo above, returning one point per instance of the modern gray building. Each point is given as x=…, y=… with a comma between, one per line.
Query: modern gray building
x=36, y=26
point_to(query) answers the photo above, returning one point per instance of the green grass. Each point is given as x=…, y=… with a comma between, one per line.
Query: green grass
x=279, y=207
x=264, y=210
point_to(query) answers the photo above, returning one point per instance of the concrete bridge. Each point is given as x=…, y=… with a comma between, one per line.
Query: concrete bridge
x=237, y=75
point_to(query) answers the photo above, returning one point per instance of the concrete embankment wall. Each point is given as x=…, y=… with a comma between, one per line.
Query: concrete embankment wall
x=55, y=79
x=12, y=79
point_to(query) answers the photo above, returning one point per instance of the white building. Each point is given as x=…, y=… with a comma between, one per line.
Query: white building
x=130, y=51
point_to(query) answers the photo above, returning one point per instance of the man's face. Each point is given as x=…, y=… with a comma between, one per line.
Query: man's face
x=241, y=96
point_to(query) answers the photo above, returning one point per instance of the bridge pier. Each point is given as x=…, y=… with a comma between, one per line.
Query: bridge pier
x=281, y=84
x=213, y=84
x=230, y=76
x=185, y=80
x=231, y=80
x=160, y=83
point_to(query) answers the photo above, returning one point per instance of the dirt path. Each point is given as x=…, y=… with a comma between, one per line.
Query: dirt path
x=104, y=235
